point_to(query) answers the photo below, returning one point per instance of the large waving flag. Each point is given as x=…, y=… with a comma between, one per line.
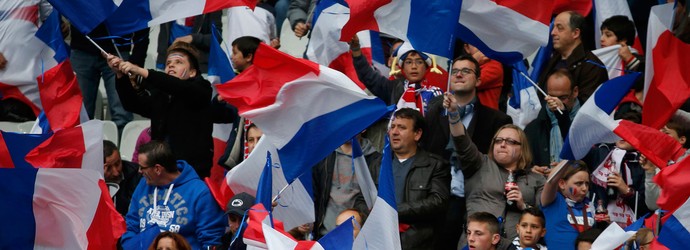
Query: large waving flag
x=603, y=9
x=134, y=15
x=56, y=209
x=408, y=20
x=675, y=233
x=667, y=81
x=244, y=21
x=486, y=24
x=305, y=111
x=580, y=6
x=593, y=123
x=29, y=55
x=381, y=229
x=324, y=46
x=524, y=105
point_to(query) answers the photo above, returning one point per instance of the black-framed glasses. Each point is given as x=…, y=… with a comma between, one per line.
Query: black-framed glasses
x=499, y=140
x=464, y=71
x=142, y=167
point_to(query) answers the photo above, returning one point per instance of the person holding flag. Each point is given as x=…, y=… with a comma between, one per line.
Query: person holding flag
x=177, y=101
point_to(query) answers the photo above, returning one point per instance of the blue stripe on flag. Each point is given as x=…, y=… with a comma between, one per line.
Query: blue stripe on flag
x=51, y=35
x=85, y=15
x=218, y=62
x=519, y=83
x=131, y=16
x=340, y=237
x=504, y=57
x=321, y=135
x=386, y=183
x=443, y=15
x=376, y=48
x=18, y=222
x=264, y=192
x=612, y=92
x=673, y=235
x=20, y=144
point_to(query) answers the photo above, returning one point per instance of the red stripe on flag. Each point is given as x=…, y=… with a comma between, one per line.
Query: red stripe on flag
x=670, y=86
x=62, y=150
x=305, y=244
x=361, y=17
x=655, y=145
x=242, y=91
x=580, y=6
x=28, y=13
x=674, y=182
x=60, y=96
x=215, y=5
x=107, y=225
x=344, y=64
x=5, y=158
x=539, y=11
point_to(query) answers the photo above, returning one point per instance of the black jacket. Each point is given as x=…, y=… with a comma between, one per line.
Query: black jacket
x=322, y=175
x=180, y=113
x=130, y=172
x=538, y=134
x=587, y=76
x=427, y=188
x=485, y=122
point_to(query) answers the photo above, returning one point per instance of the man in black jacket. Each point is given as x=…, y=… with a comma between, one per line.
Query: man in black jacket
x=122, y=177
x=176, y=101
x=336, y=187
x=421, y=182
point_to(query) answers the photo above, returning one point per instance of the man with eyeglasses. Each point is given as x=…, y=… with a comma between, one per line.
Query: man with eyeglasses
x=481, y=122
x=547, y=133
x=174, y=198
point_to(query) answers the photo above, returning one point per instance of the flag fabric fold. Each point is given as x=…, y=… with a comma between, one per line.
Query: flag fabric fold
x=674, y=182
x=381, y=229
x=408, y=20
x=85, y=15
x=593, y=123
x=675, y=233
x=524, y=105
x=658, y=147
x=361, y=170
x=486, y=24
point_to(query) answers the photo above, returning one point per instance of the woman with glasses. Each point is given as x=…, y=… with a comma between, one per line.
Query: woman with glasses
x=496, y=182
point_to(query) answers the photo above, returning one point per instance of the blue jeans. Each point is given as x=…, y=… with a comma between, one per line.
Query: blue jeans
x=281, y=13
x=89, y=68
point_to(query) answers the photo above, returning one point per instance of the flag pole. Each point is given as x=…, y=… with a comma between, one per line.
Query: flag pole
x=538, y=88
x=103, y=51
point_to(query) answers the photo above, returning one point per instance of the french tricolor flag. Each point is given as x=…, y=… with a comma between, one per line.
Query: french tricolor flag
x=381, y=229
x=324, y=46
x=57, y=209
x=593, y=123
x=305, y=111
x=667, y=80
x=361, y=170
x=408, y=20
x=33, y=52
x=675, y=233
x=134, y=15
x=486, y=24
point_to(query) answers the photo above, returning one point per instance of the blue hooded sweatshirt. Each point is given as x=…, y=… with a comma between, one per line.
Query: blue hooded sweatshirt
x=184, y=206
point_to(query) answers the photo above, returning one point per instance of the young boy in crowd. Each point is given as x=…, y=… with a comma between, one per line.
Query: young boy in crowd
x=531, y=228
x=483, y=233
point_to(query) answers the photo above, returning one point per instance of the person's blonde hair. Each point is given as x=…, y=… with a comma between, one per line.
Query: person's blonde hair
x=525, y=151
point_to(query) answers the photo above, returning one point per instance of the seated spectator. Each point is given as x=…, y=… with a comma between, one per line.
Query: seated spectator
x=184, y=204
x=122, y=177
x=531, y=229
x=564, y=203
x=585, y=239
x=170, y=241
x=358, y=220
x=483, y=233
x=486, y=175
